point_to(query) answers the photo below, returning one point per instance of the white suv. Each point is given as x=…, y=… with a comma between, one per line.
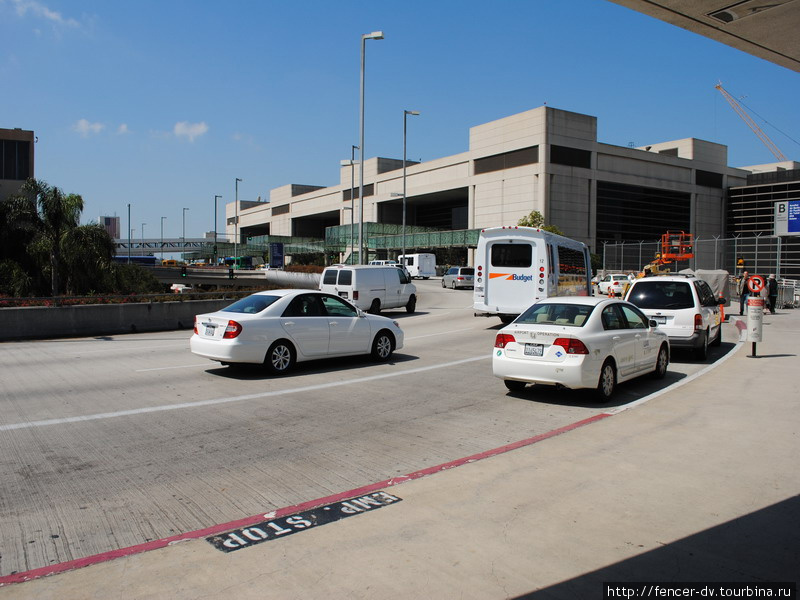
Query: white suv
x=684, y=307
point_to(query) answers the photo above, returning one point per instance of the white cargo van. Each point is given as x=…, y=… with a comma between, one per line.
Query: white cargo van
x=371, y=287
x=516, y=266
x=419, y=265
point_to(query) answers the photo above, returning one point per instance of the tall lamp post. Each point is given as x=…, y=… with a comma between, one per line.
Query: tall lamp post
x=405, y=118
x=352, y=164
x=183, y=236
x=129, y=237
x=236, y=224
x=162, y=237
x=143, y=224
x=215, y=228
x=375, y=35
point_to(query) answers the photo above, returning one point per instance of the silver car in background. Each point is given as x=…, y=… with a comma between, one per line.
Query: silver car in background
x=458, y=277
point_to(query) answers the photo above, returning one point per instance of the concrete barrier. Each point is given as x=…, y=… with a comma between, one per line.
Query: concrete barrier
x=37, y=322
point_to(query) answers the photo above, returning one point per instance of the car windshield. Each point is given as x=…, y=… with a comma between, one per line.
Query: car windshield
x=251, y=305
x=572, y=315
x=662, y=294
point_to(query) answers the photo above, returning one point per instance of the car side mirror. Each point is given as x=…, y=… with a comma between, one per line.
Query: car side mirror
x=653, y=324
x=361, y=313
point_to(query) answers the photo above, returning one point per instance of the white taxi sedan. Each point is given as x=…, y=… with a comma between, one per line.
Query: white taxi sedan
x=278, y=328
x=579, y=342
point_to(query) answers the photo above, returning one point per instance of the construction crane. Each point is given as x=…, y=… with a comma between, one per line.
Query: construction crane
x=746, y=118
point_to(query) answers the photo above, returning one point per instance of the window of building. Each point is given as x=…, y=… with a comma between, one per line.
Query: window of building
x=708, y=179
x=15, y=159
x=507, y=160
x=280, y=210
x=369, y=190
x=571, y=157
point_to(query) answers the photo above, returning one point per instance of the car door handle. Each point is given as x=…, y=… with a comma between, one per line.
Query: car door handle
x=288, y=322
x=333, y=323
x=616, y=338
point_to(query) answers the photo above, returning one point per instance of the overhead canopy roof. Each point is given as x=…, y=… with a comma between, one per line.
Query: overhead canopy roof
x=769, y=29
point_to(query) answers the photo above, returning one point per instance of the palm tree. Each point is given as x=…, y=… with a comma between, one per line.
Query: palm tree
x=54, y=242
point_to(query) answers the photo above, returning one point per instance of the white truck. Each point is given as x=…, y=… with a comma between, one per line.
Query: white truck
x=516, y=266
x=419, y=265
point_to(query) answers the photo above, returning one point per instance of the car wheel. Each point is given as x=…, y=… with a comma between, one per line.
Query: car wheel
x=443, y=285
x=506, y=319
x=662, y=361
x=280, y=357
x=608, y=381
x=412, y=305
x=701, y=352
x=382, y=346
x=375, y=307
x=453, y=285
x=514, y=386
x=718, y=340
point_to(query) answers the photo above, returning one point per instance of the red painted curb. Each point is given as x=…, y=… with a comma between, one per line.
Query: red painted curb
x=288, y=510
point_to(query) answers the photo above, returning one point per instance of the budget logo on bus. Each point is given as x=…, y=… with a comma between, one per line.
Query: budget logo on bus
x=511, y=276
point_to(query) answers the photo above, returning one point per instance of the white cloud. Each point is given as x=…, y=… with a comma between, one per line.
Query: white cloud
x=23, y=7
x=85, y=128
x=189, y=130
x=123, y=129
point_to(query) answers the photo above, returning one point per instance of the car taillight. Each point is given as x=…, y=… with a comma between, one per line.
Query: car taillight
x=355, y=295
x=195, y=325
x=503, y=339
x=571, y=345
x=698, y=322
x=232, y=330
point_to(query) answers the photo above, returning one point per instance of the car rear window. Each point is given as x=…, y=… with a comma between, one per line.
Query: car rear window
x=572, y=315
x=661, y=294
x=251, y=304
x=468, y=271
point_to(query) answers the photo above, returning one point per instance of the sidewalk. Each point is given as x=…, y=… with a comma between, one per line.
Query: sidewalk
x=700, y=484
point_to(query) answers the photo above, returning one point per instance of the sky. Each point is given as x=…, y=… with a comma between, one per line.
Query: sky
x=162, y=104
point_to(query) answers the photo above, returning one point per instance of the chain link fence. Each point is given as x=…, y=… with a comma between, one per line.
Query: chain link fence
x=762, y=254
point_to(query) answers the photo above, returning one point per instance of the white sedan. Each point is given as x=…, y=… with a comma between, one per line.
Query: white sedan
x=278, y=328
x=579, y=342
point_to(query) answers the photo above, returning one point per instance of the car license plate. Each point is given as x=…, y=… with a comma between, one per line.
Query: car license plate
x=660, y=320
x=534, y=349
x=210, y=331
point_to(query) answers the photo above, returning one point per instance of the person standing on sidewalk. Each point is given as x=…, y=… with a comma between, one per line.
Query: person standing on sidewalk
x=772, y=292
x=743, y=291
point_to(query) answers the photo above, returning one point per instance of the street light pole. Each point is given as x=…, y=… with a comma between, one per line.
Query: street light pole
x=215, y=228
x=375, y=35
x=183, y=236
x=236, y=224
x=129, y=237
x=405, y=118
x=143, y=224
x=162, y=237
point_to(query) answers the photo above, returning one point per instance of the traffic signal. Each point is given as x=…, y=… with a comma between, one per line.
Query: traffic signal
x=183, y=271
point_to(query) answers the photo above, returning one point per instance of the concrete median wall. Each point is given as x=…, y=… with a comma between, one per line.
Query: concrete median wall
x=38, y=322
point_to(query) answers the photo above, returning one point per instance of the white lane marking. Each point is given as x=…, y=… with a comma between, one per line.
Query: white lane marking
x=212, y=402
x=678, y=384
x=194, y=366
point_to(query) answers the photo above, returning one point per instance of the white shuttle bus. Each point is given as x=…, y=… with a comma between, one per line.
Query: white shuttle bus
x=516, y=266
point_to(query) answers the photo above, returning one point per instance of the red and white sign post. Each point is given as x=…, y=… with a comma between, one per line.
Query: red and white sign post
x=755, y=310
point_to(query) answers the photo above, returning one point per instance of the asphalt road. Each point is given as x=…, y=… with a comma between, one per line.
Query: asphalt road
x=114, y=441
